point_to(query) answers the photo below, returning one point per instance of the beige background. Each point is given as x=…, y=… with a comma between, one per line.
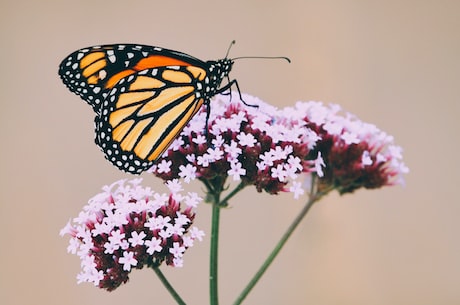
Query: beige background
x=392, y=63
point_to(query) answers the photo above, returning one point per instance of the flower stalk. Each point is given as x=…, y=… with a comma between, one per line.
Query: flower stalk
x=214, y=255
x=214, y=192
x=168, y=286
x=314, y=197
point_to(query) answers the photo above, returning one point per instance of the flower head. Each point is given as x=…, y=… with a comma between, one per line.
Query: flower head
x=128, y=226
x=353, y=153
x=270, y=148
x=257, y=146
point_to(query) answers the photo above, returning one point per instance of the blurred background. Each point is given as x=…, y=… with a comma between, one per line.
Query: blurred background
x=392, y=63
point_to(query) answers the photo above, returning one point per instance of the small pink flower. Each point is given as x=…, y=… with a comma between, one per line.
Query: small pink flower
x=129, y=226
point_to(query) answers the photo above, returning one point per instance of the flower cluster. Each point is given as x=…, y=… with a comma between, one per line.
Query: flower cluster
x=356, y=154
x=257, y=146
x=269, y=147
x=128, y=226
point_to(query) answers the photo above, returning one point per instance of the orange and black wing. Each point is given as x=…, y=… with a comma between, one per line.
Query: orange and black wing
x=92, y=72
x=144, y=112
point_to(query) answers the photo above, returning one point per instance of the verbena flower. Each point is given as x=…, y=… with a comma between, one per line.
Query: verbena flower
x=271, y=148
x=355, y=154
x=128, y=226
x=257, y=146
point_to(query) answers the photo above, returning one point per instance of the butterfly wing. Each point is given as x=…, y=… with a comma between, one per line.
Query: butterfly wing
x=92, y=72
x=144, y=112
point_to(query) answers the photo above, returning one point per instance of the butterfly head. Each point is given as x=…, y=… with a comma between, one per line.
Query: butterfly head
x=217, y=71
x=220, y=68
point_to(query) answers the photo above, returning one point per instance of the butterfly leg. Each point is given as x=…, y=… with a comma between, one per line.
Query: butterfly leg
x=206, y=127
x=229, y=86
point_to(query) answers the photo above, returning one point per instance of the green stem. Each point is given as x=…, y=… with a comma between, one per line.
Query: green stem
x=213, y=262
x=168, y=286
x=224, y=202
x=313, y=198
x=208, y=186
x=214, y=190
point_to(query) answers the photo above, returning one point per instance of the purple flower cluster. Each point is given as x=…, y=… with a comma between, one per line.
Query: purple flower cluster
x=270, y=148
x=257, y=146
x=355, y=154
x=129, y=226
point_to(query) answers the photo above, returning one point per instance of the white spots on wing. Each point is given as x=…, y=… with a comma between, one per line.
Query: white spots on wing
x=111, y=56
x=102, y=74
x=124, y=160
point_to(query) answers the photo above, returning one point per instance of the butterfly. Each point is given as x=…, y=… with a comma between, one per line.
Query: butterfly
x=143, y=96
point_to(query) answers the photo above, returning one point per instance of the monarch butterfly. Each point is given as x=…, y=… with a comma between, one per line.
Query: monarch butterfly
x=143, y=96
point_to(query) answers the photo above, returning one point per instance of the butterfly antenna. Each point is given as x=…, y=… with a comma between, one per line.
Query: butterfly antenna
x=229, y=47
x=264, y=57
